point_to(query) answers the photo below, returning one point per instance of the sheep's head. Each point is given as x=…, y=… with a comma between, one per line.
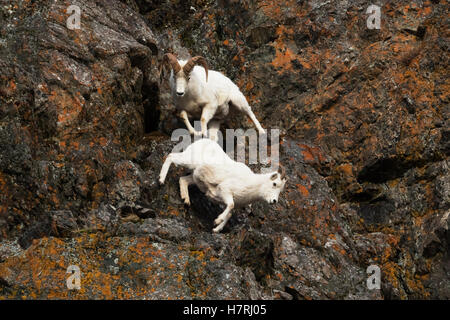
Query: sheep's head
x=182, y=74
x=275, y=185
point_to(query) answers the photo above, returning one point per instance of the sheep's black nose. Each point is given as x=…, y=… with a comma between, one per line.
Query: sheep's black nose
x=274, y=201
x=180, y=93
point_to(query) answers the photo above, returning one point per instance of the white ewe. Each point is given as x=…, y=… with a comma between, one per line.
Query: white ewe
x=223, y=179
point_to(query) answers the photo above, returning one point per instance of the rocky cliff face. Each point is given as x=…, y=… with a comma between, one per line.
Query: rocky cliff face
x=85, y=125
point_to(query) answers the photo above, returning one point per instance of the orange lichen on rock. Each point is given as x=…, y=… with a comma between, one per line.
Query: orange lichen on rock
x=303, y=190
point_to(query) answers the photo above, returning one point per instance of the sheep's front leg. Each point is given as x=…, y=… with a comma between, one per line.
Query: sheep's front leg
x=207, y=114
x=190, y=128
x=177, y=158
x=223, y=218
x=185, y=182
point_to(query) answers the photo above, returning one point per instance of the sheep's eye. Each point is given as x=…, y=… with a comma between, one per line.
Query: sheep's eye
x=274, y=184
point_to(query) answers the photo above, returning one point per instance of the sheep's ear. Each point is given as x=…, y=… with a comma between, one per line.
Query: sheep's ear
x=274, y=176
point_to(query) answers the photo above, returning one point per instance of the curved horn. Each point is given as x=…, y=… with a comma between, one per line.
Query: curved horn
x=169, y=60
x=282, y=172
x=172, y=60
x=192, y=62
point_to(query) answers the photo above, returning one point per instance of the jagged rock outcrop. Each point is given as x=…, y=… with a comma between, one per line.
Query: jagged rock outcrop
x=85, y=125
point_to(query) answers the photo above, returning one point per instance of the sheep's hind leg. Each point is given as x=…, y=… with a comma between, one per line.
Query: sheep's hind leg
x=207, y=114
x=255, y=121
x=165, y=169
x=223, y=218
x=188, y=124
x=214, y=126
x=172, y=157
x=185, y=182
x=240, y=103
